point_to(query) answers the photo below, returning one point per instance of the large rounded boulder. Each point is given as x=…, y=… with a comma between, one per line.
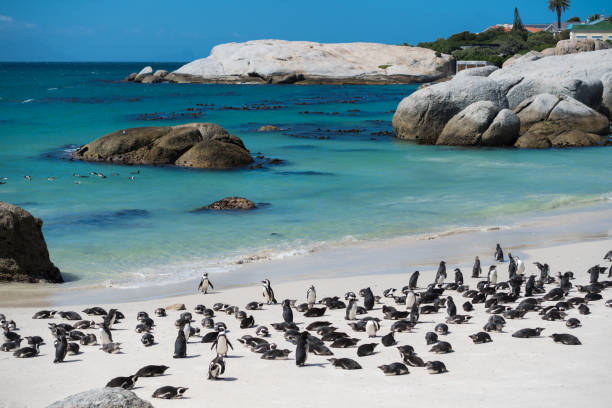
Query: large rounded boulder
x=198, y=145
x=423, y=115
x=466, y=127
x=103, y=398
x=23, y=251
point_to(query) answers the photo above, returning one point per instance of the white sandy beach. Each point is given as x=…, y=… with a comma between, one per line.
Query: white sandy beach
x=508, y=372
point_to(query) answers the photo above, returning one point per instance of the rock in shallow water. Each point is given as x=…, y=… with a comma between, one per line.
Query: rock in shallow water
x=230, y=203
x=23, y=252
x=103, y=398
x=198, y=145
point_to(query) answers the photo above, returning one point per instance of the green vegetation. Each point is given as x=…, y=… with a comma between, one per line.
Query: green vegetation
x=384, y=66
x=594, y=17
x=517, y=25
x=573, y=20
x=558, y=6
x=494, y=45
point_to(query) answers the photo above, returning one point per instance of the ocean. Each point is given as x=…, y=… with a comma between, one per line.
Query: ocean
x=343, y=178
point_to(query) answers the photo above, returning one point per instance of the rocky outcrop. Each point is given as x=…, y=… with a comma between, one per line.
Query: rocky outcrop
x=552, y=121
x=565, y=47
x=199, y=145
x=523, y=58
x=23, y=251
x=478, y=71
x=572, y=91
x=103, y=397
x=278, y=61
x=144, y=73
x=230, y=203
x=269, y=128
x=423, y=115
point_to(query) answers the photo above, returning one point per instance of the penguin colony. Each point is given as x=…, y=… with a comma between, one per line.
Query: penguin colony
x=525, y=299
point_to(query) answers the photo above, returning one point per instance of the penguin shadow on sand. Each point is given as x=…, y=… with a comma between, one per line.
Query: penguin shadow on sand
x=234, y=356
x=190, y=356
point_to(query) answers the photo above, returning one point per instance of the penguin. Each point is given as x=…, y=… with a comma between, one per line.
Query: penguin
x=608, y=256
x=169, y=392
x=527, y=333
x=520, y=266
x=436, y=367
x=412, y=283
x=567, y=339
x=476, y=269
x=480, y=337
x=441, y=347
x=110, y=318
x=345, y=363
x=205, y=283
x=451, y=308
x=499, y=254
x=394, y=369
x=372, y=326
x=351, y=309
x=302, y=349
x=27, y=352
x=492, y=276
x=105, y=334
x=441, y=328
x=180, y=345
x=511, y=266
x=268, y=293
x=127, y=383
x=366, y=349
x=160, y=312
x=414, y=313
x=216, y=368
x=529, y=286
x=441, y=274
x=152, y=371
x=410, y=300
x=388, y=340
x=186, y=327
x=431, y=338
x=221, y=344
x=311, y=296
x=458, y=277
x=147, y=339
x=10, y=345
x=287, y=312
x=61, y=349
x=44, y=314
x=368, y=298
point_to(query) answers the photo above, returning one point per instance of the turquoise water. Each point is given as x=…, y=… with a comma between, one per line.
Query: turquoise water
x=335, y=184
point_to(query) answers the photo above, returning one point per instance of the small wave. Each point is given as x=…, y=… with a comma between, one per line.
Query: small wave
x=544, y=203
x=464, y=230
x=27, y=101
x=51, y=89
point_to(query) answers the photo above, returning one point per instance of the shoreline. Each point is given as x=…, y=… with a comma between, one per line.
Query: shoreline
x=367, y=257
x=473, y=369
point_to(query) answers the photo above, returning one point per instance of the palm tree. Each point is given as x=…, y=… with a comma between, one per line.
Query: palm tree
x=558, y=6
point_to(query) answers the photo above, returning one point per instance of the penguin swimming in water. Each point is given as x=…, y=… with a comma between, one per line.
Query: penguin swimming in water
x=221, y=344
x=216, y=368
x=412, y=283
x=287, y=312
x=351, y=309
x=205, y=283
x=499, y=254
x=268, y=293
x=476, y=269
x=311, y=296
x=302, y=349
x=61, y=349
x=180, y=345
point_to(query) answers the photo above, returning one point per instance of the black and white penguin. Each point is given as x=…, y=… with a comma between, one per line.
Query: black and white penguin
x=388, y=340
x=110, y=318
x=160, y=312
x=105, y=334
x=11, y=345
x=394, y=369
x=287, y=312
x=262, y=331
x=520, y=266
x=27, y=352
x=441, y=347
x=221, y=344
x=180, y=345
x=216, y=368
x=372, y=326
x=566, y=339
x=451, y=308
x=411, y=299
x=530, y=286
x=368, y=298
x=366, y=349
x=61, y=349
x=44, y=314
x=527, y=333
x=431, y=338
x=476, y=269
x=480, y=338
x=414, y=313
x=440, y=274
x=499, y=254
x=344, y=363
x=169, y=392
x=127, y=383
x=412, y=283
x=458, y=277
x=436, y=367
x=147, y=339
x=608, y=256
x=268, y=293
x=492, y=275
x=152, y=371
x=205, y=283
x=351, y=309
x=311, y=296
x=302, y=349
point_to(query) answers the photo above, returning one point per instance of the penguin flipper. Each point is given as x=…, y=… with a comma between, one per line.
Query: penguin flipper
x=211, y=285
x=229, y=344
x=214, y=345
x=200, y=285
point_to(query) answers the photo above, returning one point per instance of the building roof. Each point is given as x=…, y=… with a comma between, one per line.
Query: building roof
x=601, y=27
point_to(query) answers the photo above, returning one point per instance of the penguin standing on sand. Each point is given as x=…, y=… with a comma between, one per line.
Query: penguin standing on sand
x=110, y=318
x=302, y=349
x=287, y=312
x=412, y=284
x=61, y=348
x=520, y=266
x=351, y=308
x=476, y=269
x=372, y=326
x=205, y=283
x=105, y=334
x=441, y=272
x=216, y=368
x=458, y=277
x=368, y=298
x=311, y=296
x=410, y=300
x=414, y=313
x=221, y=344
x=511, y=266
x=180, y=345
x=268, y=293
x=499, y=254
x=492, y=277
x=451, y=308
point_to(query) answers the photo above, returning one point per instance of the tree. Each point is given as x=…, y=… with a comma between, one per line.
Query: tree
x=517, y=25
x=573, y=20
x=594, y=17
x=558, y=6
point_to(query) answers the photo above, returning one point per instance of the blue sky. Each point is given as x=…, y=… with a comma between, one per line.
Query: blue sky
x=109, y=30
